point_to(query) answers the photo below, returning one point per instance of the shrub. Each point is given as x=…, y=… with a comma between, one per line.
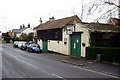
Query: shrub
x=3, y=42
x=107, y=53
x=16, y=38
x=11, y=41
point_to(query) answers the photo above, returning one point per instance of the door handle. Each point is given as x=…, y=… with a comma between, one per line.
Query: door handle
x=74, y=45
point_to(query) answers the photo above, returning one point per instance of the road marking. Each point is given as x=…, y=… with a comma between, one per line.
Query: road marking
x=96, y=72
x=58, y=76
x=30, y=64
x=19, y=50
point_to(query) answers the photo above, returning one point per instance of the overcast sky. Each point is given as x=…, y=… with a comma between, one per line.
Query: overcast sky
x=14, y=13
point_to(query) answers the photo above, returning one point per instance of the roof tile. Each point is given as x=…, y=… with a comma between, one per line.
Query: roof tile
x=60, y=23
x=103, y=27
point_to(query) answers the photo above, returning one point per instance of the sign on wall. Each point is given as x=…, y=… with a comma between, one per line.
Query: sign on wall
x=65, y=38
x=69, y=30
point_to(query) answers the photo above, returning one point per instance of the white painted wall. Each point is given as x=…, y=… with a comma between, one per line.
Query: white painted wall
x=18, y=34
x=59, y=46
x=27, y=31
x=35, y=32
x=40, y=43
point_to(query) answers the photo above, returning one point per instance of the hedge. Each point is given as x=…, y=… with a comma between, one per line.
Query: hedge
x=109, y=54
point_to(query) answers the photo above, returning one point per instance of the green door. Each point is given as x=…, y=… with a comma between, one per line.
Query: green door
x=45, y=46
x=75, y=45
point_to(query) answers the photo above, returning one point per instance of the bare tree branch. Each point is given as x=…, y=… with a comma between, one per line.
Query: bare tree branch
x=111, y=3
x=101, y=7
x=82, y=13
x=106, y=14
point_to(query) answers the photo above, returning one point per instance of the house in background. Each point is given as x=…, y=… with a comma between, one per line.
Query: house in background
x=16, y=33
x=3, y=35
x=23, y=29
x=0, y=35
x=70, y=36
x=114, y=21
x=10, y=33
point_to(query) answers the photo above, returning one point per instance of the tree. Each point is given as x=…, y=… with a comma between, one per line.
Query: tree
x=7, y=37
x=100, y=10
x=27, y=37
x=24, y=36
x=15, y=39
x=30, y=36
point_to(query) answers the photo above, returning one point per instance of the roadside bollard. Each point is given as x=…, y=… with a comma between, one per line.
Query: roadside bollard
x=98, y=58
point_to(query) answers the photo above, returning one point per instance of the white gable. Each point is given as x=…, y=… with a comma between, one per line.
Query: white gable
x=27, y=31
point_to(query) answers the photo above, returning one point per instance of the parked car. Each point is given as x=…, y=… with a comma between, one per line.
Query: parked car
x=34, y=48
x=21, y=43
x=15, y=44
x=25, y=45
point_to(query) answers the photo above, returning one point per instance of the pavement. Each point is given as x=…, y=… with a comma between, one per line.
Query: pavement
x=88, y=64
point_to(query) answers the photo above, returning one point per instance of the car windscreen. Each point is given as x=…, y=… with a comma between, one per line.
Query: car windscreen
x=34, y=45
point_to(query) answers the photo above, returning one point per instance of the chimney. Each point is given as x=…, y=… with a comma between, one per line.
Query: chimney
x=40, y=20
x=51, y=19
x=20, y=26
x=23, y=26
x=28, y=25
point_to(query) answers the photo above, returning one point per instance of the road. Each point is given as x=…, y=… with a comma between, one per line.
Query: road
x=21, y=64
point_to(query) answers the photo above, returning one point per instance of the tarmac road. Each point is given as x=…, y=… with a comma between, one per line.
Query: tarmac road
x=21, y=64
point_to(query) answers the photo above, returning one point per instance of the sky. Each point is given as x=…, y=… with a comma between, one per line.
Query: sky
x=14, y=13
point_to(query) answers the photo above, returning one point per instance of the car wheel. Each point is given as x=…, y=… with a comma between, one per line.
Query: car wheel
x=27, y=50
x=40, y=51
x=31, y=50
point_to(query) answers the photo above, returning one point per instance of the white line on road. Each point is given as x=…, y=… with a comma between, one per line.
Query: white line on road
x=32, y=65
x=58, y=76
x=96, y=72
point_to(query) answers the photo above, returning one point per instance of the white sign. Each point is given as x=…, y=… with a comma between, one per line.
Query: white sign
x=69, y=29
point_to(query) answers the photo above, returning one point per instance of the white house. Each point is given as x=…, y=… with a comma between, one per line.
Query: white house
x=27, y=30
x=18, y=32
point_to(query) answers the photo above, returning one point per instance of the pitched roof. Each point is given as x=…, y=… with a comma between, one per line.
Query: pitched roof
x=114, y=21
x=60, y=23
x=19, y=30
x=102, y=27
x=23, y=29
x=16, y=30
